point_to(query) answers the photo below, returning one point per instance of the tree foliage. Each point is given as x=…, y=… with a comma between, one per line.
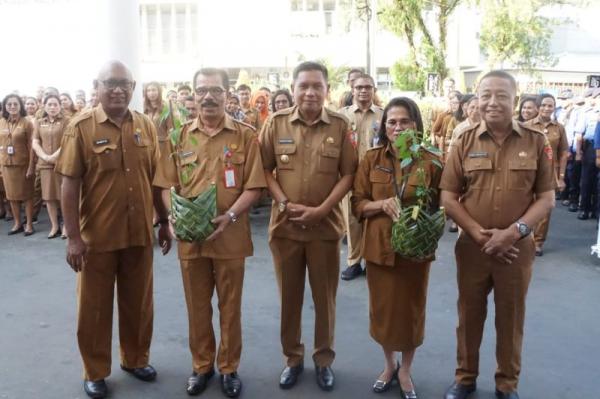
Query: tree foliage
x=408, y=19
x=514, y=31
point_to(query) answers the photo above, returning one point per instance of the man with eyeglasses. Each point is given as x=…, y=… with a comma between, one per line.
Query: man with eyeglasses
x=222, y=152
x=245, y=94
x=364, y=117
x=314, y=157
x=107, y=161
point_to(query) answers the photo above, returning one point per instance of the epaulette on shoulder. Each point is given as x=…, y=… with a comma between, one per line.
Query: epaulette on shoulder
x=376, y=148
x=244, y=124
x=285, y=111
x=335, y=114
x=85, y=114
x=530, y=128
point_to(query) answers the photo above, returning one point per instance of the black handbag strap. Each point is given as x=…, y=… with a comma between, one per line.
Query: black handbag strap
x=405, y=174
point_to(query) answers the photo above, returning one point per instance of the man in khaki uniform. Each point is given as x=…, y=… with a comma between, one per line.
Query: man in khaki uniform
x=107, y=160
x=226, y=153
x=245, y=94
x=502, y=173
x=364, y=118
x=311, y=150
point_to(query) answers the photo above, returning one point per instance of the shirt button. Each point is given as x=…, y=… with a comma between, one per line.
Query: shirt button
x=307, y=145
x=124, y=150
x=496, y=209
x=305, y=180
x=132, y=207
x=130, y=188
x=498, y=188
x=499, y=169
x=128, y=170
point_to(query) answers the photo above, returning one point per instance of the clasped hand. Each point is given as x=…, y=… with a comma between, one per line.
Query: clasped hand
x=304, y=215
x=500, y=244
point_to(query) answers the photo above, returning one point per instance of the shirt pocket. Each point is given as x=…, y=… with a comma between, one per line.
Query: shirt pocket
x=522, y=174
x=236, y=161
x=107, y=157
x=381, y=184
x=478, y=172
x=285, y=156
x=329, y=158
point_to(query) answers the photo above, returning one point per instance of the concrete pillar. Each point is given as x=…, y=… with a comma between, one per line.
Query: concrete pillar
x=123, y=31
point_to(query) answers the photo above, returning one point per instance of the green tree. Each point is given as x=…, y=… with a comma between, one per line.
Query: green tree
x=514, y=31
x=407, y=19
x=407, y=76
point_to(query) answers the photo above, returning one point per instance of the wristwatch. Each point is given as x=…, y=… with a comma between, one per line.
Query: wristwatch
x=282, y=206
x=523, y=229
x=232, y=216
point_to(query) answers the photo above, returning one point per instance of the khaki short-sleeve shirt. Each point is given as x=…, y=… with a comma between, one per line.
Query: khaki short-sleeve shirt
x=50, y=135
x=556, y=134
x=363, y=125
x=374, y=182
x=235, y=145
x=116, y=167
x=15, y=138
x=309, y=160
x=497, y=183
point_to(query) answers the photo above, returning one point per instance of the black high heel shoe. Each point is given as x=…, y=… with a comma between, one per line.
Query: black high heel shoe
x=381, y=386
x=407, y=394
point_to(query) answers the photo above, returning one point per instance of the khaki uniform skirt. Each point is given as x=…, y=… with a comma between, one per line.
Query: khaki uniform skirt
x=397, y=299
x=17, y=187
x=50, y=185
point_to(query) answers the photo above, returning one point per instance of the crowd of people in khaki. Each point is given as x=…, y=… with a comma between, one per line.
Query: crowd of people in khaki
x=108, y=171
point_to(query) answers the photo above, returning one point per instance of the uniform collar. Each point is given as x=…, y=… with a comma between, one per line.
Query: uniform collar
x=225, y=123
x=538, y=121
x=516, y=127
x=354, y=108
x=101, y=116
x=324, y=117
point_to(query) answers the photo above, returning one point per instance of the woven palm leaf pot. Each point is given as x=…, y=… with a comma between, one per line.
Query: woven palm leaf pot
x=192, y=216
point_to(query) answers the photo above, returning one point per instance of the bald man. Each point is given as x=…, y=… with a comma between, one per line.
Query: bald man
x=108, y=159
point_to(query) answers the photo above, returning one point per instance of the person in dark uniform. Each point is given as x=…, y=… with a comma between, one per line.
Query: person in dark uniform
x=588, y=159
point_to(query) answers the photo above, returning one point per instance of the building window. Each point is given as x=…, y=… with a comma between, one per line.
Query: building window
x=312, y=5
x=169, y=29
x=328, y=5
x=297, y=5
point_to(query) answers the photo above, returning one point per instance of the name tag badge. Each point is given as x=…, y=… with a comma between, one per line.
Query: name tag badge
x=383, y=168
x=229, y=177
x=478, y=155
x=10, y=150
x=286, y=141
x=101, y=142
x=138, y=138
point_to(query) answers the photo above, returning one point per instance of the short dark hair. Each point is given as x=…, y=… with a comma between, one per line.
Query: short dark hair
x=212, y=72
x=22, y=112
x=366, y=76
x=48, y=97
x=244, y=87
x=355, y=70
x=52, y=89
x=541, y=97
x=310, y=66
x=279, y=92
x=499, y=73
x=184, y=87
x=413, y=112
x=265, y=88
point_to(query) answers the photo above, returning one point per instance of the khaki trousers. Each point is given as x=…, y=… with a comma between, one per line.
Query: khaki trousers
x=37, y=194
x=131, y=268
x=200, y=277
x=353, y=232
x=477, y=275
x=292, y=259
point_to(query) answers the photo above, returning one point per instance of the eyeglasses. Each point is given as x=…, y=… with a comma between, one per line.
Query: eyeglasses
x=214, y=91
x=359, y=88
x=403, y=123
x=112, y=84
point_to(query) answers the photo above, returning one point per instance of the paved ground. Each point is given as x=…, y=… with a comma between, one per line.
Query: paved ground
x=39, y=356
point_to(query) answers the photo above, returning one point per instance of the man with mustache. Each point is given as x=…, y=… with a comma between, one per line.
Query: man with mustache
x=225, y=153
x=107, y=160
x=314, y=156
x=497, y=184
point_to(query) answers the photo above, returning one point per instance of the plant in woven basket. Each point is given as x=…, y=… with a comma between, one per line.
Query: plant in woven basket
x=416, y=233
x=191, y=216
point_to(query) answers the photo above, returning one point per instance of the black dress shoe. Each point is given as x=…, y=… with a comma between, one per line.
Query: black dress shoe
x=325, y=377
x=231, y=385
x=290, y=375
x=95, y=389
x=57, y=234
x=408, y=394
x=28, y=233
x=352, y=272
x=507, y=395
x=583, y=216
x=573, y=207
x=197, y=382
x=381, y=386
x=17, y=231
x=141, y=373
x=459, y=391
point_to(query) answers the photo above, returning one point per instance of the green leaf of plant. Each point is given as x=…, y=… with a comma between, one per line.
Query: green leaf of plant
x=193, y=140
x=405, y=162
x=164, y=113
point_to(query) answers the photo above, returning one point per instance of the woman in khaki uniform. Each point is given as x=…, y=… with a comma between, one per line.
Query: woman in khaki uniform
x=397, y=287
x=68, y=107
x=16, y=161
x=47, y=134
